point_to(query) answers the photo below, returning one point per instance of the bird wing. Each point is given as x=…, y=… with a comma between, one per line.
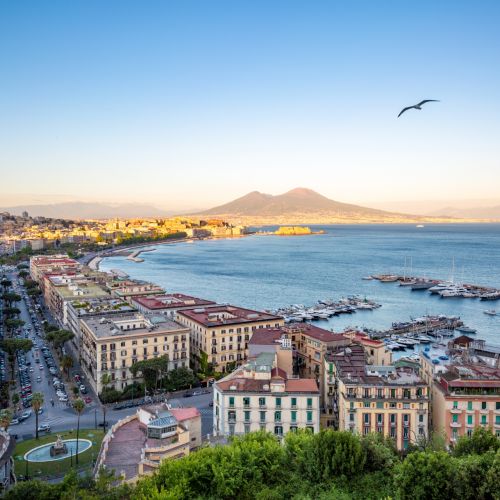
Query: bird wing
x=427, y=100
x=405, y=109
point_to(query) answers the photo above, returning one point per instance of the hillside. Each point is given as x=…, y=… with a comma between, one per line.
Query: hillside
x=304, y=206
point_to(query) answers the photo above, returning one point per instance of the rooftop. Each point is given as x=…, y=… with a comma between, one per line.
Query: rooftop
x=171, y=301
x=130, y=324
x=226, y=315
x=92, y=306
x=314, y=332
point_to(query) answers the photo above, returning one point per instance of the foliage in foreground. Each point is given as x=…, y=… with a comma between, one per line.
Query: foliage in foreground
x=325, y=466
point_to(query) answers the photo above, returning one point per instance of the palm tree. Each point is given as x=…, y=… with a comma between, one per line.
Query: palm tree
x=37, y=403
x=79, y=406
x=67, y=364
x=5, y=419
x=105, y=380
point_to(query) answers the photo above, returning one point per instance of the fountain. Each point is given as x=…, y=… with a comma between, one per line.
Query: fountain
x=58, y=448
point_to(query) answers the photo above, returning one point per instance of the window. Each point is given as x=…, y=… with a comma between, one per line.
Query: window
x=497, y=405
x=262, y=401
x=420, y=419
x=144, y=341
x=294, y=416
x=309, y=402
x=278, y=402
x=484, y=405
x=455, y=418
x=246, y=402
x=231, y=402
x=380, y=404
x=278, y=430
x=277, y=416
x=393, y=393
x=366, y=404
x=366, y=418
x=262, y=416
x=497, y=419
x=309, y=417
x=294, y=402
x=247, y=416
x=455, y=405
x=484, y=420
x=247, y=428
x=469, y=405
x=469, y=419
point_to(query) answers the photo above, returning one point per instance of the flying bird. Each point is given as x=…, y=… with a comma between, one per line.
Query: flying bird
x=417, y=106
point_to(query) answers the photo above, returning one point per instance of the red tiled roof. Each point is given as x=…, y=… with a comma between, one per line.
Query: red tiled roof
x=314, y=332
x=473, y=383
x=236, y=315
x=265, y=336
x=185, y=413
x=301, y=385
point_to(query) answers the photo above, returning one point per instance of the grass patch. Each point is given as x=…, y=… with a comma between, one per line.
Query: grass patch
x=57, y=467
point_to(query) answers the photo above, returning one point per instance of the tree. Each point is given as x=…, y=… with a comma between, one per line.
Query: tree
x=37, y=403
x=426, y=476
x=12, y=324
x=11, y=297
x=5, y=283
x=481, y=441
x=59, y=337
x=79, y=406
x=5, y=419
x=67, y=364
x=15, y=398
x=105, y=381
x=11, y=311
x=11, y=346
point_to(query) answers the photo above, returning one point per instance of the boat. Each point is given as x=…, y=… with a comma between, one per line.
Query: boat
x=490, y=296
x=422, y=285
x=465, y=329
x=491, y=312
x=388, y=278
x=368, y=278
x=420, y=225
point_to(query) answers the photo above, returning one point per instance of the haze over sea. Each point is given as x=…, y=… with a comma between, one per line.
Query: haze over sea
x=267, y=272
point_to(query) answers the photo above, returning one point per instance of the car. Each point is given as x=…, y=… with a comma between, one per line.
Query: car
x=83, y=389
x=14, y=421
x=40, y=411
x=64, y=398
x=39, y=379
x=88, y=400
x=44, y=428
x=32, y=370
x=187, y=395
x=26, y=414
x=41, y=367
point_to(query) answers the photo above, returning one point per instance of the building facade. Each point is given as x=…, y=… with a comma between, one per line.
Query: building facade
x=168, y=304
x=223, y=332
x=368, y=398
x=113, y=343
x=260, y=396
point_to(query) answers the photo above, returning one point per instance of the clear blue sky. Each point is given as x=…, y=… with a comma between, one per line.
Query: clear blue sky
x=192, y=103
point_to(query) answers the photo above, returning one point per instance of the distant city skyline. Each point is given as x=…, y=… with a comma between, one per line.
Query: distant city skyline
x=190, y=105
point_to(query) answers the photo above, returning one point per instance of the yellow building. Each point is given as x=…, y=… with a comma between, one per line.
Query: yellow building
x=368, y=398
x=223, y=332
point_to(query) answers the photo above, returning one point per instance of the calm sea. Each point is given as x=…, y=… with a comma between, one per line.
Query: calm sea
x=267, y=272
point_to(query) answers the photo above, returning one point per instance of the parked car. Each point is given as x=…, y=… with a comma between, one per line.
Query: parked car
x=83, y=389
x=44, y=428
x=88, y=400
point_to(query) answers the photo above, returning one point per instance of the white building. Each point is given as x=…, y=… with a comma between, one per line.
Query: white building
x=261, y=396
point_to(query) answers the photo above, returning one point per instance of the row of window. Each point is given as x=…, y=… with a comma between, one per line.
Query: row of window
x=484, y=405
x=278, y=429
x=247, y=401
x=393, y=418
x=393, y=405
x=383, y=393
x=232, y=416
x=470, y=419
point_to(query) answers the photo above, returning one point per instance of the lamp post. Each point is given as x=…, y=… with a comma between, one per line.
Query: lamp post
x=95, y=418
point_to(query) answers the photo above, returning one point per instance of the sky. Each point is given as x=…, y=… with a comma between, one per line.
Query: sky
x=189, y=104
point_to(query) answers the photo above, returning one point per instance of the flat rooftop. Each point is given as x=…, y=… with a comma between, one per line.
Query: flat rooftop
x=130, y=324
x=171, y=301
x=92, y=306
x=227, y=315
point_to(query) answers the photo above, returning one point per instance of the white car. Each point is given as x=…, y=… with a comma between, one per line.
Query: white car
x=64, y=399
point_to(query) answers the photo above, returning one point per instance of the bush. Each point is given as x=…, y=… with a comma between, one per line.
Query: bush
x=481, y=441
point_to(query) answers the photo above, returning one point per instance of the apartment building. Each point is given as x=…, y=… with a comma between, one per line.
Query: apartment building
x=41, y=264
x=261, y=396
x=368, y=398
x=168, y=304
x=465, y=387
x=62, y=289
x=113, y=343
x=375, y=350
x=223, y=332
x=91, y=306
x=129, y=289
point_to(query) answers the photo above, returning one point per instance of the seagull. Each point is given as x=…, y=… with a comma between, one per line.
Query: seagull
x=417, y=106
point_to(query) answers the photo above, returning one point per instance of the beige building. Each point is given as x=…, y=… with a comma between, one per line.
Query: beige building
x=127, y=289
x=261, y=396
x=113, y=343
x=368, y=398
x=136, y=445
x=168, y=304
x=223, y=332
x=465, y=381
x=41, y=264
x=375, y=350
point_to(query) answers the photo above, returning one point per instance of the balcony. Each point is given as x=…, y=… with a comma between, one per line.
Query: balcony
x=455, y=425
x=455, y=410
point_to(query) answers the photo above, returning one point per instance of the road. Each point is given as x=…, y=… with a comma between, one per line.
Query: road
x=62, y=417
